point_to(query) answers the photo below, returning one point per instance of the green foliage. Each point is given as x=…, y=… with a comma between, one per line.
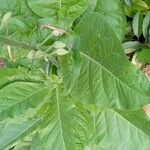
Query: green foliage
x=58, y=9
x=114, y=15
x=137, y=24
x=68, y=83
x=133, y=6
x=98, y=70
x=138, y=35
x=144, y=56
x=146, y=26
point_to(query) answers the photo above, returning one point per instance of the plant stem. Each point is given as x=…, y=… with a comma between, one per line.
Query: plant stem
x=45, y=40
x=11, y=42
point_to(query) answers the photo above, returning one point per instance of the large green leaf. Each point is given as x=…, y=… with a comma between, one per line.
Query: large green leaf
x=67, y=125
x=23, y=24
x=11, y=133
x=8, y=5
x=114, y=15
x=16, y=98
x=104, y=75
x=58, y=115
x=121, y=129
x=58, y=9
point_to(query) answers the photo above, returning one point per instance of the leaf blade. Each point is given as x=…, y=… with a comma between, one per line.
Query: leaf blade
x=114, y=15
x=100, y=80
x=14, y=132
x=122, y=129
x=17, y=97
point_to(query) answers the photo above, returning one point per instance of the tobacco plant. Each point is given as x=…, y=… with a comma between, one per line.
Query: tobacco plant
x=65, y=80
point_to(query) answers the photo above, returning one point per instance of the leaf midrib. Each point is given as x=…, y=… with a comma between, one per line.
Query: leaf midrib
x=59, y=117
x=108, y=72
x=126, y=120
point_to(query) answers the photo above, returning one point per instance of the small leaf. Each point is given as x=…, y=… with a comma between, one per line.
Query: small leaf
x=144, y=56
x=132, y=46
x=137, y=24
x=6, y=19
x=140, y=5
x=146, y=26
x=61, y=52
x=59, y=45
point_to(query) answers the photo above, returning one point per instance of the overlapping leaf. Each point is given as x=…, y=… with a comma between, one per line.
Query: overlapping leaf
x=57, y=134
x=58, y=9
x=11, y=133
x=104, y=75
x=17, y=97
x=67, y=126
x=121, y=129
x=114, y=15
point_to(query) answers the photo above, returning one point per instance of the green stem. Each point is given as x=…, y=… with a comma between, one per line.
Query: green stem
x=11, y=42
x=45, y=40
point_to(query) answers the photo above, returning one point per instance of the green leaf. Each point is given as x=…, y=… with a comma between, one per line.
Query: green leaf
x=83, y=126
x=8, y=5
x=144, y=56
x=67, y=124
x=146, y=26
x=15, y=6
x=6, y=73
x=140, y=5
x=59, y=45
x=114, y=15
x=6, y=20
x=16, y=98
x=92, y=5
x=132, y=46
x=104, y=75
x=137, y=24
x=121, y=129
x=11, y=133
x=58, y=114
x=61, y=52
x=147, y=2
x=61, y=9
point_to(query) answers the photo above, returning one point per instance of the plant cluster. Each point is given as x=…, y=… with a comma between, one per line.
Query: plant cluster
x=66, y=82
